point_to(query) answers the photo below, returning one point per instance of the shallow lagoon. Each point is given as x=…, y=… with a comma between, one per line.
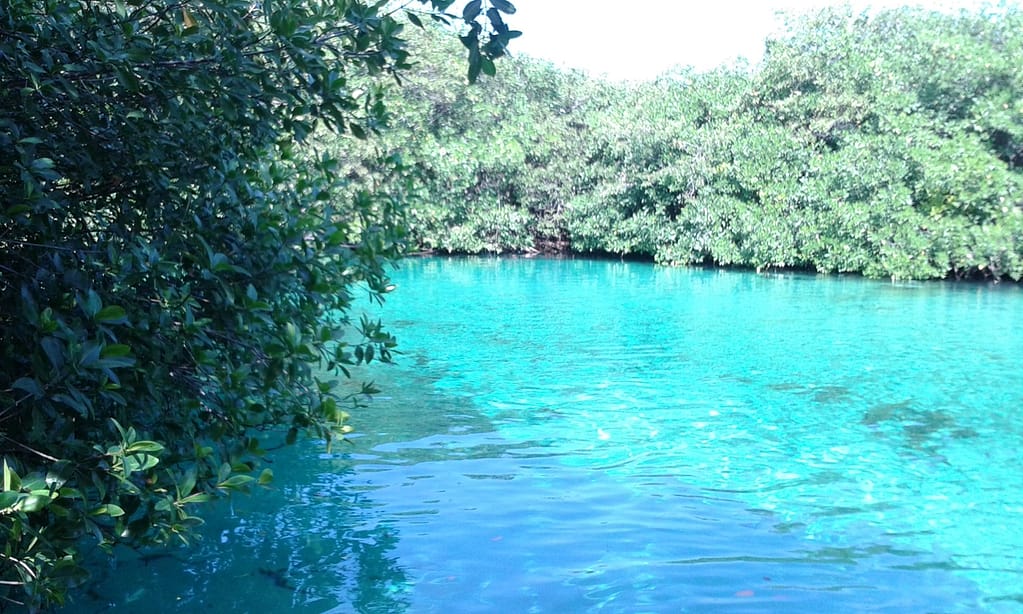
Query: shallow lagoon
x=571, y=435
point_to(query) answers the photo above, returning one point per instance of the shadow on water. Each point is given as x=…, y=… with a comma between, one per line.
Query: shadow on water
x=922, y=429
x=824, y=394
x=303, y=548
x=316, y=541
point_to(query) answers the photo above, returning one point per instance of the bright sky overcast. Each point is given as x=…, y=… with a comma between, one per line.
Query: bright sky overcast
x=640, y=39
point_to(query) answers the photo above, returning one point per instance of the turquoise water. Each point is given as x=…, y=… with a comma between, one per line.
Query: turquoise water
x=574, y=436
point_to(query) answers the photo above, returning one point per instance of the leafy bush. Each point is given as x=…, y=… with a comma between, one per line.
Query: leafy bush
x=178, y=261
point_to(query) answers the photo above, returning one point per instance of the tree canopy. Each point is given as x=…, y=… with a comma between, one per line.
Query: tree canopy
x=179, y=257
x=888, y=144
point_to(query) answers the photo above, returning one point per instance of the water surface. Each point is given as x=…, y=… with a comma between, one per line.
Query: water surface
x=570, y=436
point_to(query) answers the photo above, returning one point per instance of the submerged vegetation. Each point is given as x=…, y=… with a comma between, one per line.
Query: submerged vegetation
x=888, y=144
x=195, y=193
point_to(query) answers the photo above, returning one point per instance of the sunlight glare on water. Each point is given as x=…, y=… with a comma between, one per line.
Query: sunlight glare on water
x=570, y=435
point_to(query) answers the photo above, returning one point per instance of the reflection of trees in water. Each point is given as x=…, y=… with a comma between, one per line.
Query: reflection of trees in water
x=326, y=545
x=313, y=547
x=315, y=541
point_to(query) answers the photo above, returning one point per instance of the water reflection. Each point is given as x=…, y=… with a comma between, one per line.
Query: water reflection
x=315, y=545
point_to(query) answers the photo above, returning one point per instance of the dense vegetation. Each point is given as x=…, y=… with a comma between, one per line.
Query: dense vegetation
x=177, y=258
x=191, y=206
x=888, y=144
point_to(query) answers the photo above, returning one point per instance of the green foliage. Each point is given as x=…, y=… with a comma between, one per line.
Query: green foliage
x=178, y=259
x=488, y=168
x=888, y=144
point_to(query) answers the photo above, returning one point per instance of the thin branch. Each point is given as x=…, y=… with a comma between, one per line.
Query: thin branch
x=75, y=250
x=30, y=449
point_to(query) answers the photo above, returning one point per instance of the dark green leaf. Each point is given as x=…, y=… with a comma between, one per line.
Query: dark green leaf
x=504, y=6
x=496, y=21
x=116, y=350
x=144, y=446
x=8, y=498
x=73, y=402
x=59, y=473
x=475, y=64
x=55, y=352
x=487, y=65
x=11, y=479
x=236, y=482
x=112, y=314
x=90, y=304
x=90, y=354
x=35, y=503
x=472, y=10
x=108, y=510
x=29, y=385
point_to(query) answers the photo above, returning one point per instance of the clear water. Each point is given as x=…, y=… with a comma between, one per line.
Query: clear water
x=575, y=436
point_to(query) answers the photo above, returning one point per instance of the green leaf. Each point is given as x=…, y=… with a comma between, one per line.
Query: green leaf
x=496, y=21
x=139, y=462
x=236, y=482
x=475, y=64
x=114, y=363
x=116, y=350
x=112, y=314
x=90, y=354
x=504, y=6
x=11, y=479
x=29, y=385
x=91, y=304
x=55, y=352
x=8, y=499
x=220, y=263
x=43, y=167
x=199, y=497
x=337, y=238
x=109, y=509
x=266, y=476
x=472, y=10
x=70, y=493
x=487, y=65
x=187, y=482
x=34, y=482
x=73, y=402
x=35, y=503
x=60, y=472
x=143, y=446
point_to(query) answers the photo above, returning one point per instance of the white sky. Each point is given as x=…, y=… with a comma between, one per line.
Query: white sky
x=639, y=39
